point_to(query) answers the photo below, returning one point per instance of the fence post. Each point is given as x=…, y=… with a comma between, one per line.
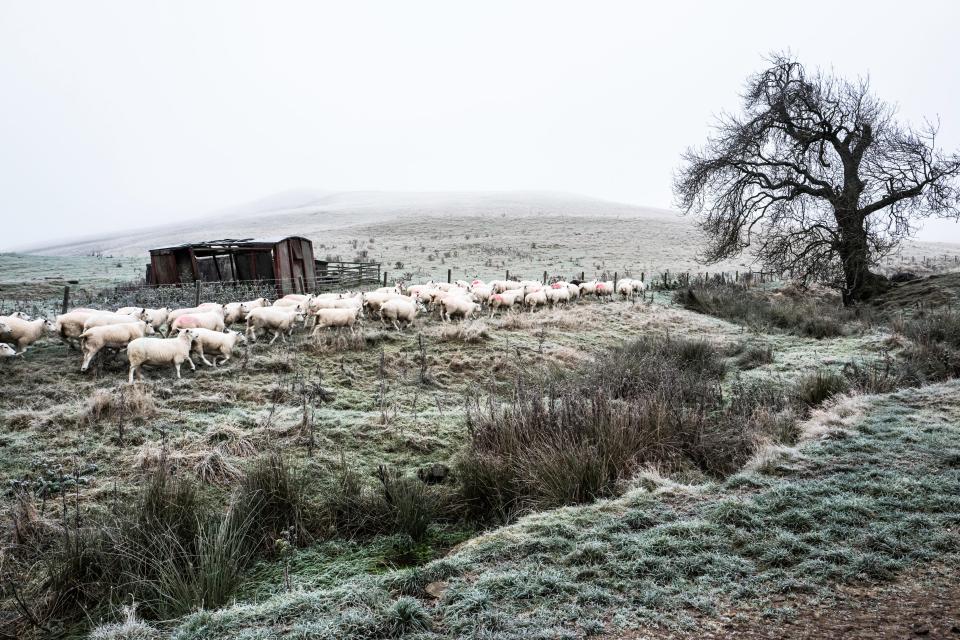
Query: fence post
x=614, y=280
x=300, y=283
x=449, y=278
x=544, y=277
x=508, y=275
x=196, y=293
x=643, y=276
x=583, y=276
x=66, y=299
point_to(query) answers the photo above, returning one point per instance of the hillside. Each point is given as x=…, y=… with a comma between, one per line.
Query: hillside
x=314, y=213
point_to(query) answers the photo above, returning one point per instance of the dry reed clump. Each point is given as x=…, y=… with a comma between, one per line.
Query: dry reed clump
x=212, y=467
x=122, y=402
x=339, y=340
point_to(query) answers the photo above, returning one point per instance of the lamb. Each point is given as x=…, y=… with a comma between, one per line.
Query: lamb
x=173, y=351
x=458, y=306
x=574, y=290
x=218, y=343
x=535, y=299
x=335, y=318
x=22, y=333
x=279, y=320
x=207, y=320
x=113, y=336
x=17, y=314
x=6, y=351
x=105, y=318
x=399, y=309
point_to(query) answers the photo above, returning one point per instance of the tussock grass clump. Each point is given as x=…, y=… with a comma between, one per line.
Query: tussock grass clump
x=820, y=385
x=167, y=550
x=471, y=332
x=396, y=503
x=124, y=402
x=934, y=352
x=232, y=440
x=753, y=356
x=212, y=467
x=652, y=401
x=810, y=318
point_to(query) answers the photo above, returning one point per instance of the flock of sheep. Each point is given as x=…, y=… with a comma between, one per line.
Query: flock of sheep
x=205, y=330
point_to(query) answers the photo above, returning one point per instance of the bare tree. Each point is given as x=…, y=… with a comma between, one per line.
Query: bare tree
x=817, y=177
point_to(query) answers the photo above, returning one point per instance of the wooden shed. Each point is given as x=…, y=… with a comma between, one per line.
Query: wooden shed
x=287, y=261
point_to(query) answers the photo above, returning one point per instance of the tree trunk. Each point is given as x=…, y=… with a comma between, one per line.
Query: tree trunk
x=859, y=283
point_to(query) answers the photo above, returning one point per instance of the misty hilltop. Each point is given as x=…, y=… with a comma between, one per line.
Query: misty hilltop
x=313, y=213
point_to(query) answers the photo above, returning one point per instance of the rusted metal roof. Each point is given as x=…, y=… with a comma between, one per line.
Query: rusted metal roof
x=227, y=243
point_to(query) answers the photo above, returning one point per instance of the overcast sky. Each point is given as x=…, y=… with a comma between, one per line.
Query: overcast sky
x=128, y=113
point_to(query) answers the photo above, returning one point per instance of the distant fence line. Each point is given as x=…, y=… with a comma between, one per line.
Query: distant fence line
x=347, y=276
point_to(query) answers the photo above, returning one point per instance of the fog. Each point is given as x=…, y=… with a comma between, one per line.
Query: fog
x=122, y=114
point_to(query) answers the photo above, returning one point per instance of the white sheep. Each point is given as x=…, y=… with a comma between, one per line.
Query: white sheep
x=294, y=300
x=156, y=318
x=279, y=320
x=22, y=333
x=574, y=290
x=70, y=325
x=588, y=288
x=248, y=305
x=505, y=299
x=480, y=292
x=557, y=293
x=335, y=318
x=176, y=313
x=218, y=343
x=211, y=306
x=112, y=336
x=136, y=312
x=173, y=351
x=625, y=288
x=105, y=318
x=375, y=299
x=458, y=306
x=604, y=289
x=6, y=351
x=399, y=309
x=534, y=299
x=206, y=320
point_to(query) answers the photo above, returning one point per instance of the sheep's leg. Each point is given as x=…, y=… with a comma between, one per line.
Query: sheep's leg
x=204, y=358
x=132, y=368
x=395, y=324
x=276, y=334
x=176, y=365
